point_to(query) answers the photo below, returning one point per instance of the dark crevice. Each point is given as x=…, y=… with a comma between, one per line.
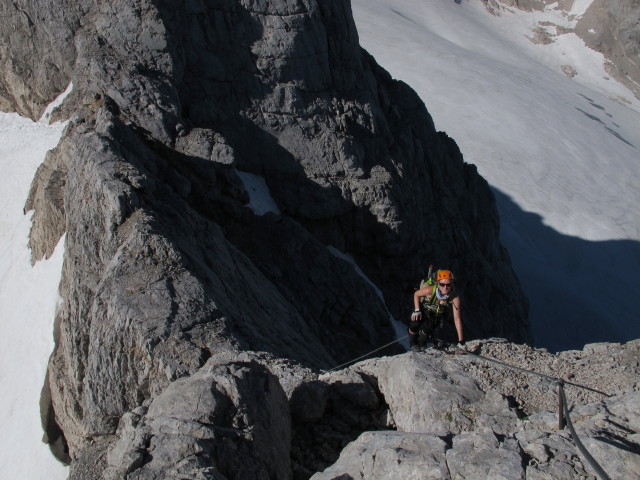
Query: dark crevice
x=317, y=443
x=53, y=434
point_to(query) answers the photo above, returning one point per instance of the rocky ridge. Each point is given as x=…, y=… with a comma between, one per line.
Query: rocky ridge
x=459, y=416
x=433, y=414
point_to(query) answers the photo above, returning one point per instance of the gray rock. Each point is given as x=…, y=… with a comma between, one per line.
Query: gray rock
x=611, y=27
x=423, y=395
x=37, y=52
x=391, y=455
x=226, y=421
x=309, y=402
x=479, y=454
x=526, y=445
x=329, y=412
x=568, y=70
x=46, y=197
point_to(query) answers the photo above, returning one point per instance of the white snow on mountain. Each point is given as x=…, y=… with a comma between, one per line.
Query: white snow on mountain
x=561, y=153
x=28, y=300
x=260, y=199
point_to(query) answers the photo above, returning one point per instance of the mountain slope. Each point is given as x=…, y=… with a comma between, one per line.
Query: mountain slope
x=167, y=263
x=153, y=181
x=560, y=152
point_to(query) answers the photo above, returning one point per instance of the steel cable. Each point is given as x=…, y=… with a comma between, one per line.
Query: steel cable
x=560, y=382
x=585, y=453
x=365, y=355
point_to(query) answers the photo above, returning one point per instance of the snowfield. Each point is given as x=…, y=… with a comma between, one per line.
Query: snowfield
x=28, y=300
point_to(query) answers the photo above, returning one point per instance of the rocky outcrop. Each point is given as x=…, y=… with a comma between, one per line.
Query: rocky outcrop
x=37, y=52
x=613, y=29
x=434, y=414
x=457, y=417
x=166, y=267
x=194, y=334
x=228, y=420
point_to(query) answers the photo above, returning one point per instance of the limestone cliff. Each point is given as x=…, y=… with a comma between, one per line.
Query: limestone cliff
x=430, y=415
x=463, y=416
x=166, y=267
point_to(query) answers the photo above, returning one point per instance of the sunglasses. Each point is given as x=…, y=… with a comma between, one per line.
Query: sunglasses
x=444, y=285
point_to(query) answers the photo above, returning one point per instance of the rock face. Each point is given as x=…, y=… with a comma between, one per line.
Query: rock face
x=433, y=414
x=37, y=52
x=166, y=267
x=611, y=27
x=228, y=420
x=457, y=417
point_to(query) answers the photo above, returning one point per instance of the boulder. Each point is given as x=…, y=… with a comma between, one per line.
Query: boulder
x=491, y=433
x=229, y=420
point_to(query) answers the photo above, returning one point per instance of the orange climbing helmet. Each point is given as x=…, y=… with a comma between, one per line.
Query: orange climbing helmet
x=444, y=275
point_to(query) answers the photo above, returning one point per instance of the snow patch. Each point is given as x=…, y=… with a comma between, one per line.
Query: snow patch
x=579, y=7
x=28, y=302
x=56, y=103
x=260, y=199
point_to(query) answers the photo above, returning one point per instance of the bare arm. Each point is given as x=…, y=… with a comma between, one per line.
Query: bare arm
x=457, y=320
x=423, y=292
